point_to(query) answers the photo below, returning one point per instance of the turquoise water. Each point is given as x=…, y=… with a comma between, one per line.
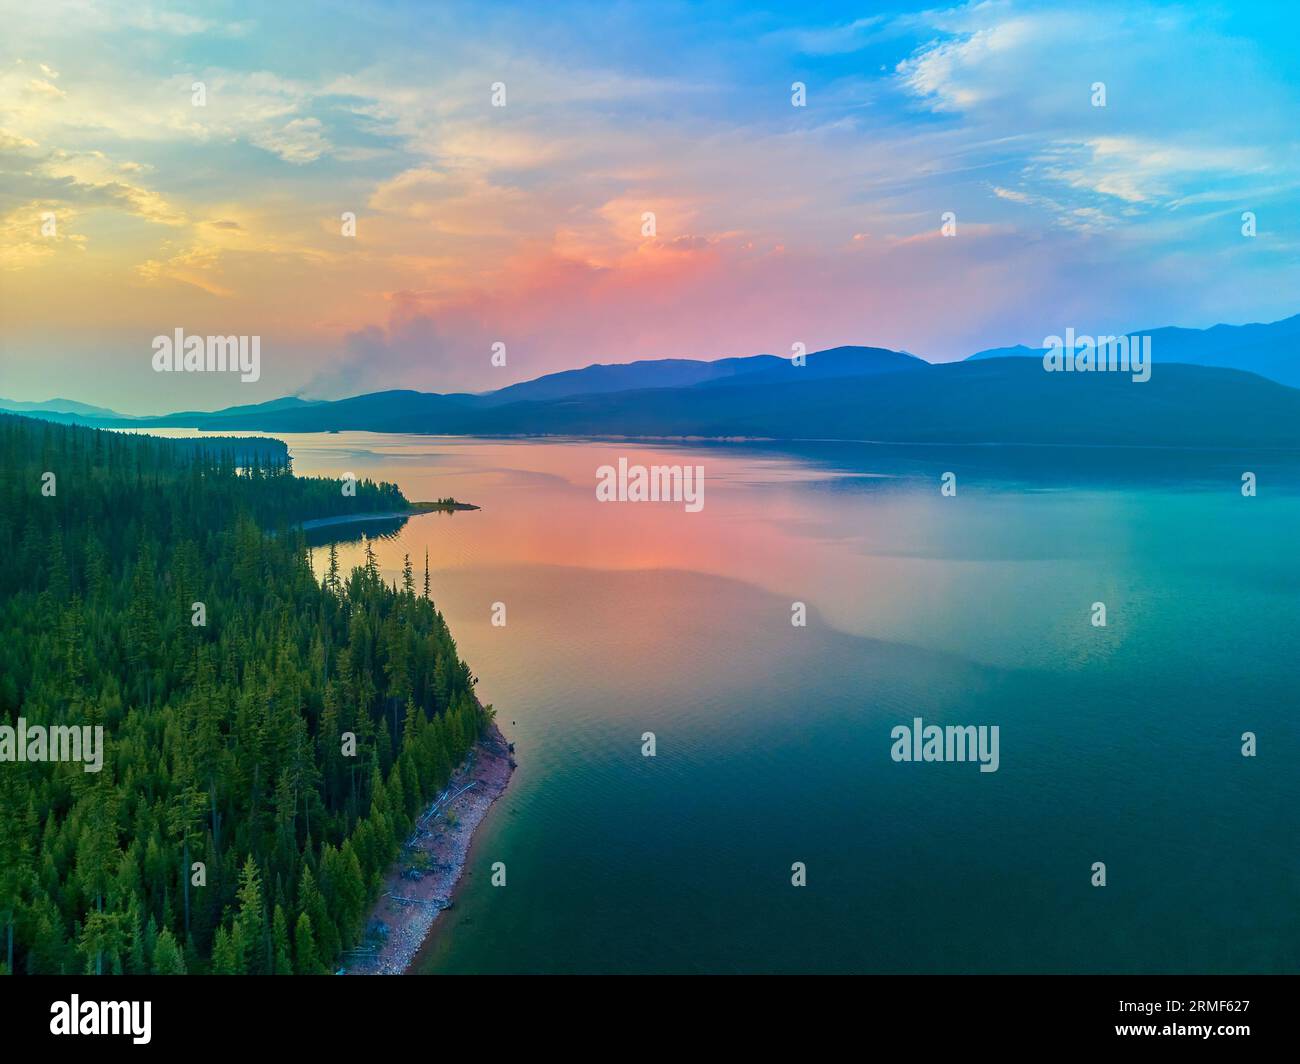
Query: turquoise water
x=1119, y=744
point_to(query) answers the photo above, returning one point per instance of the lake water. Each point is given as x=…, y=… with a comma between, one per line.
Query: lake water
x=1119, y=744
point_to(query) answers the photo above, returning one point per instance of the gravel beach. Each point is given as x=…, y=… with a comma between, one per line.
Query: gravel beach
x=408, y=907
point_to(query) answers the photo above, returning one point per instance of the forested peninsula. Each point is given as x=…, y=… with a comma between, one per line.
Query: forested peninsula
x=269, y=739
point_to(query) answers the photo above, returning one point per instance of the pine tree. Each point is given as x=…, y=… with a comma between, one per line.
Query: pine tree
x=142, y=628
x=312, y=904
x=332, y=575
x=308, y=962
x=250, y=938
x=16, y=876
x=167, y=957
x=225, y=958
x=283, y=953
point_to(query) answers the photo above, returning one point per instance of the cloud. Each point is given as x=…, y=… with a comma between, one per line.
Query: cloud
x=27, y=235
x=1146, y=171
x=1188, y=107
x=177, y=23
x=1014, y=195
x=46, y=89
x=523, y=223
x=60, y=181
x=195, y=266
x=108, y=17
x=841, y=39
x=297, y=141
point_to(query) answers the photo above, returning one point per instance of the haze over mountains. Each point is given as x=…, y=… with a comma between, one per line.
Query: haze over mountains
x=1228, y=386
x=1272, y=350
x=683, y=373
x=58, y=406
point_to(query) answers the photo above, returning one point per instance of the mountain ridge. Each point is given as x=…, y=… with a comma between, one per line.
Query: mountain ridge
x=989, y=401
x=999, y=395
x=1270, y=349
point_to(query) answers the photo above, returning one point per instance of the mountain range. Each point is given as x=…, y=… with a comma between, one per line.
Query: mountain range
x=1228, y=386
x=1271, y=350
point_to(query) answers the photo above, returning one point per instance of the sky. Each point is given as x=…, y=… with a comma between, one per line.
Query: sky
x=128, y=208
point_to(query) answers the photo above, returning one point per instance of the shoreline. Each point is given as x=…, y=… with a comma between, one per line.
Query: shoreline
x=408, y=908
x=389, y=515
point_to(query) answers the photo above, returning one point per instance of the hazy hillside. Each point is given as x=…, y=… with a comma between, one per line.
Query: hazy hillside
x=999, y=395
x=288, y=402
x=992, y=401
x=1008, y=400
x=1272, y=350
x=67, y=411
x=683, y=373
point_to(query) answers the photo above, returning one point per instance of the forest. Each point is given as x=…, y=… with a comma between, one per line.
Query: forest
x=270, y=737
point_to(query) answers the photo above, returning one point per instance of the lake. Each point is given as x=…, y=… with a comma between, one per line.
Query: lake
x=1119, y=744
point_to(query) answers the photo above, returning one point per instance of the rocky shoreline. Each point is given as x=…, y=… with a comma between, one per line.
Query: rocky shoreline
x=421, y=883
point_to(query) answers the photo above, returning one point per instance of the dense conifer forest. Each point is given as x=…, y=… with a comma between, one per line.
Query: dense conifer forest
x=225, y=741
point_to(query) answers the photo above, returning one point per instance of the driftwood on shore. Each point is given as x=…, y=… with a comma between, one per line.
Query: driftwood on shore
x=432, y=903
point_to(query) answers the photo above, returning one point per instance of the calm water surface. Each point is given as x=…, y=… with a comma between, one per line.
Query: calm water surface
x=1119, y=744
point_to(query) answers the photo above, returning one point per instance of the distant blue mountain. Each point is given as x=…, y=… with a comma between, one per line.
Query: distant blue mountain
x=412, y=411
x=1005, y=400
x=848, y=393
x=685, y=373
x=1272, y=350
x=403, y=410
x=1018, y=351
x=59, y=409
x=288, y=402
x=69, y=411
